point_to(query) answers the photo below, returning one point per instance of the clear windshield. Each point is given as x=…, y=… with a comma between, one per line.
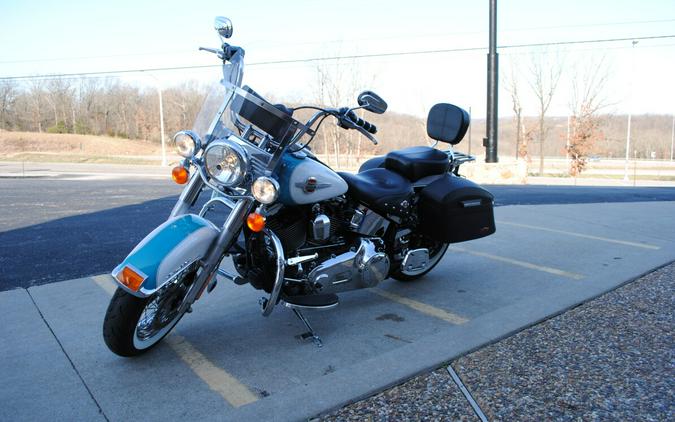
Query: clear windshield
x=230, y=109
x=213, y=120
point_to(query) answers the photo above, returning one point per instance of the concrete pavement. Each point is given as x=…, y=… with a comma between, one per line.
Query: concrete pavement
x=226, y=362
x=610, y=358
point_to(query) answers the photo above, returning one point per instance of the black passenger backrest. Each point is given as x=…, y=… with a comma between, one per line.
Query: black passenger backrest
x=447, y=123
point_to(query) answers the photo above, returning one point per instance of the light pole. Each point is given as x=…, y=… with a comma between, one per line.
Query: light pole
x=470, y=125
x=672, y=139
x=567, y=143
x=161, y=125
x=630, y=108
x=161, y=119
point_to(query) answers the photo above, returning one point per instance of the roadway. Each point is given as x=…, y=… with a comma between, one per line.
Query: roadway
x=54, y=229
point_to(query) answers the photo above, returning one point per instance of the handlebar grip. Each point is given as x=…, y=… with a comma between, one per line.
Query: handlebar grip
x=371, y=128
x=356, y=120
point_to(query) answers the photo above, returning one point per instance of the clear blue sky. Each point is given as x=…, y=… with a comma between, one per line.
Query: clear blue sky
x=44, y=37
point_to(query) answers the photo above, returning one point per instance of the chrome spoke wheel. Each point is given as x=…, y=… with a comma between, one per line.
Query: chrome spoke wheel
x=163, y=310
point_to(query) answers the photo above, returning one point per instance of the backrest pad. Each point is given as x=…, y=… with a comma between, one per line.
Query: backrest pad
x=447, y=123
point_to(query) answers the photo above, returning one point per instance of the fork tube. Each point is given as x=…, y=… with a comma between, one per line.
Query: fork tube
x=227, y=236
x=188, y=196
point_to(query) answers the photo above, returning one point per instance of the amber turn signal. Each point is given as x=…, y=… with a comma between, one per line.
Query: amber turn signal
x=130, y=278
x=180, y=175
x=255, y=222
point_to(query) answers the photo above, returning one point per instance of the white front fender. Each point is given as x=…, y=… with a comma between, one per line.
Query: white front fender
x=169, y=248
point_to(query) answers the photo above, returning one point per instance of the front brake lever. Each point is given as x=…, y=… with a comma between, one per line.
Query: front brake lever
x=346, y=123
x=367, y=135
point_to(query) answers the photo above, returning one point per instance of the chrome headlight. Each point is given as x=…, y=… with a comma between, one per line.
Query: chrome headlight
x=226, y=163
x=187, y=143
x=265, y=190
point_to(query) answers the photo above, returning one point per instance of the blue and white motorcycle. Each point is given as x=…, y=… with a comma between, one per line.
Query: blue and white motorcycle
x=294, y=228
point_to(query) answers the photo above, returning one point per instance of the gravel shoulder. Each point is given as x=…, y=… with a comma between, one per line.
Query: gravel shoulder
x=612, y=358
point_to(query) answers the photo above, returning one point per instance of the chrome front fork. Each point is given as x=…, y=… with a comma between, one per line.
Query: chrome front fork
x=228, y=235
x=188, y=196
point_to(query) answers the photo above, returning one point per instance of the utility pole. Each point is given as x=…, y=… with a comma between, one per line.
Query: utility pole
x=630, y=109
x=490, y=142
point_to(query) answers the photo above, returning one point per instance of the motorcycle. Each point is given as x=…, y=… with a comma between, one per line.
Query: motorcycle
x=295, y=229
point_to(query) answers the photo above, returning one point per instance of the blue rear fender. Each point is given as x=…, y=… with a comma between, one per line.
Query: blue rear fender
x=172, y=246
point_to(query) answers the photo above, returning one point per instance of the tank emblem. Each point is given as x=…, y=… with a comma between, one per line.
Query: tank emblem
x=311, y=185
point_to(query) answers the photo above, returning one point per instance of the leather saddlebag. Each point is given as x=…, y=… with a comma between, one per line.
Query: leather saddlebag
x=453, y=209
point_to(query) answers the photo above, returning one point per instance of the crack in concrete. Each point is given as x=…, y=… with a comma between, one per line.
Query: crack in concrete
x=72, y=364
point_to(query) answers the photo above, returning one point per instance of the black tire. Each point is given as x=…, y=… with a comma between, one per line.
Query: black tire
x=434, y=257
x=120, y=321
x=134, y=325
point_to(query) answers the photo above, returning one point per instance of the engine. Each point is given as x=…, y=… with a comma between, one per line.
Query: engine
x=354, y=269
x=330, y=234
x=306, y=226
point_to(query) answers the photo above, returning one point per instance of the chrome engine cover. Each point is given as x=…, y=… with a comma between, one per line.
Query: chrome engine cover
x=352, y=270
x=321, y=227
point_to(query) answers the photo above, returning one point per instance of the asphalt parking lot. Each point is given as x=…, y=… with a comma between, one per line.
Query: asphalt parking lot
x=226, y=362
x=61, y=227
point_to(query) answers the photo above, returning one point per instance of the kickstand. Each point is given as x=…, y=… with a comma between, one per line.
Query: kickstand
x=310, y=334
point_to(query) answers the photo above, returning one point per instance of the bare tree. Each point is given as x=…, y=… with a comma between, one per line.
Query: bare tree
x=545, y=70
x=36, y=97
x=586, y=100
x=338, y=83
x=512, y=86
x=59, y=96
x=527, y=138
x=8, y=93
x=333, y=91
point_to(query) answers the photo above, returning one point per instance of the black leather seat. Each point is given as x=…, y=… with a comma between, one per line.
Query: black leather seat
x=382, y=190
x=417, y=162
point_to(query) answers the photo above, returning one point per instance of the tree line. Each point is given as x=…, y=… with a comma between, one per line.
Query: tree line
x=115, y=108
x=96, y=107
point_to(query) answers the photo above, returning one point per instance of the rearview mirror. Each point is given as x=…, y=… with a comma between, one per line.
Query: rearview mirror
x=223, y=26
x=372, y=102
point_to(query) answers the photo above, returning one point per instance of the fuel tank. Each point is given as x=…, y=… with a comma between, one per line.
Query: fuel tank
x=304, y=180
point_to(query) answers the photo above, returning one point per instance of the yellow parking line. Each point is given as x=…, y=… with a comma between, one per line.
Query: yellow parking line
x=105, y=282
x=422, y=307
x=218, y=380
x=584, y=236
x=523, y=264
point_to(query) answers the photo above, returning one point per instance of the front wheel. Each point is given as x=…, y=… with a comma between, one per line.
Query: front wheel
x=134, y=325
x=436, y=252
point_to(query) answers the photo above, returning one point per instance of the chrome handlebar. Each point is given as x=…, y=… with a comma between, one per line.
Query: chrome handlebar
x=217, y=51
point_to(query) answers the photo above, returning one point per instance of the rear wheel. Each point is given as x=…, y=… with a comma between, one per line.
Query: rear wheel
x=436, y=251
x=134, y=325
